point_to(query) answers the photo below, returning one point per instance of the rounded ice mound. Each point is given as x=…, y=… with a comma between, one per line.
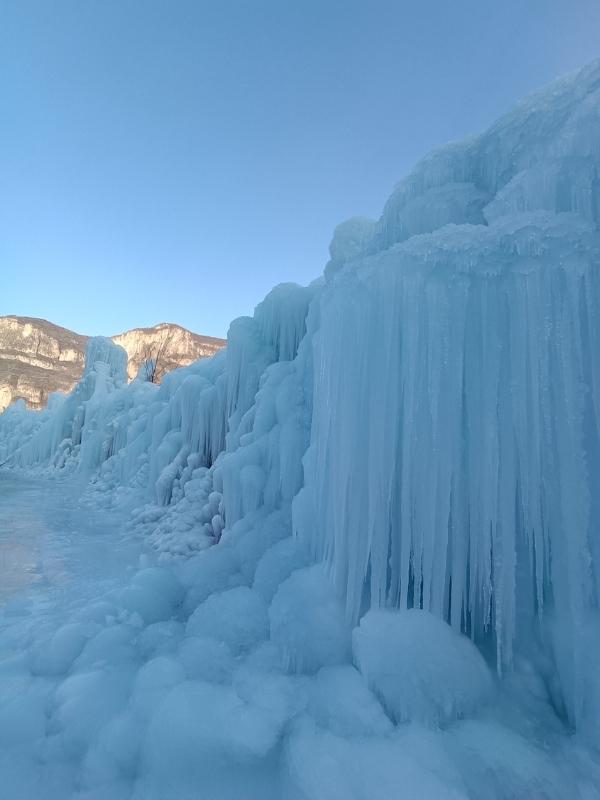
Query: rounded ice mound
x=55, y=655
x=160, y=638
x=350, y=240
x=412, y=766
x=341, y=702
x=204, y=741
x=237, y=617
x=308, y=623
x=153, y=594
x=207, y=659
x=277, y=564
x=422, y=670
x=161, y=581
x=153, y=683
x=216, y=570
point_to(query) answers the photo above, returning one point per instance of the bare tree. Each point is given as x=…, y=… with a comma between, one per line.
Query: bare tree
x=156, y=358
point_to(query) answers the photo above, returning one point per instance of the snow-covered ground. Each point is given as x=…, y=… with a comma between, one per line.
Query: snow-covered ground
x=111, y=688
x=363, y=541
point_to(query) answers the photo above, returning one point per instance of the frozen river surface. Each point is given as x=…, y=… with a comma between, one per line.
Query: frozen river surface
x=53, y=549
x=56, y=556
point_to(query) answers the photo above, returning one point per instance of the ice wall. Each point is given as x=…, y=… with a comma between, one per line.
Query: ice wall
x=455, y=461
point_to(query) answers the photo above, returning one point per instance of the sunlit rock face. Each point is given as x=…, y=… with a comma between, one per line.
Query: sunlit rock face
x=179, y=347
x=38, y=357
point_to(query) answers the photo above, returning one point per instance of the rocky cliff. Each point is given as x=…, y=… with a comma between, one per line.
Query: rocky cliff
x=38, y=357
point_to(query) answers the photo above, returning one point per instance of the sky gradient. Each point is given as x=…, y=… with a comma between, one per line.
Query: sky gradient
x=172, y=161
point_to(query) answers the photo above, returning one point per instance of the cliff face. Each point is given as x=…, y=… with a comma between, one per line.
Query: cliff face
x=38, y=357
x=174, y=346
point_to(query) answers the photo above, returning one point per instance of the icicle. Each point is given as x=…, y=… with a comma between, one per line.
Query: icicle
x=455, y=449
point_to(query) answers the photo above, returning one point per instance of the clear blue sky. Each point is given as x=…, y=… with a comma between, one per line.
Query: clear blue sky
x=173, y=160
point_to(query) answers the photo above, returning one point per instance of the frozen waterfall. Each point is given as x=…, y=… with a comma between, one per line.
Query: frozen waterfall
x=452, y=464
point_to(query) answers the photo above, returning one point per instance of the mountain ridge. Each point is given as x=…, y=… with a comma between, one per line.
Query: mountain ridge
x=38, y=357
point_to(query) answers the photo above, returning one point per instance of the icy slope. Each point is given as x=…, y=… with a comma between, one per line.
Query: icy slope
x=425, y=419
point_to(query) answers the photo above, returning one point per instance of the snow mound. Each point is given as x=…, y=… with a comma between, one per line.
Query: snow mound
x=238, y=617
x=308, y=623
x=340, y=701
x=422, y=670
x=414, y=766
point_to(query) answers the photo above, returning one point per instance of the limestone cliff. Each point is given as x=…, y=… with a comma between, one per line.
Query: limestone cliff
x=177, y=347
x=38, y=357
